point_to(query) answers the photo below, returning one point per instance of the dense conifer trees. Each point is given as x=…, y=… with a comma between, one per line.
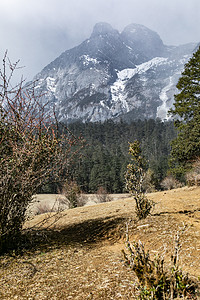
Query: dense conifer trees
x=105, y=157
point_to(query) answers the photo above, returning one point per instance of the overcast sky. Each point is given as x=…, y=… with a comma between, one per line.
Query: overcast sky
x=37, y=31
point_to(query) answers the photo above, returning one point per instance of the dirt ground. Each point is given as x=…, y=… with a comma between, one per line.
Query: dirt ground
x=79, y=255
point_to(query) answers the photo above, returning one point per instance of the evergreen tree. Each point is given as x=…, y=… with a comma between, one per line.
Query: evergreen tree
x=186, y=147
x=135, y=176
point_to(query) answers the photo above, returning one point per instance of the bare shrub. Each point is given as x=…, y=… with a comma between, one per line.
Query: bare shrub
x=71, y=196
x=33, y=149
x=197, y=180
x=196, y=165
x=193, y=177
x=58, y=206
x=156, y=280
x=148, y=185
x=169, y=183
x=135, y=176
x=71, y=191
x=43, y=208
x=82, y=199
x=102, y=195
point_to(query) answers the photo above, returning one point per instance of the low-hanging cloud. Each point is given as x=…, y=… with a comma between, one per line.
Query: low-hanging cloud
x=37, y=31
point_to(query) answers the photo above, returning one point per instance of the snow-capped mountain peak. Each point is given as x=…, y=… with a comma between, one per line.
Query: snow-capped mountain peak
x=127, y=75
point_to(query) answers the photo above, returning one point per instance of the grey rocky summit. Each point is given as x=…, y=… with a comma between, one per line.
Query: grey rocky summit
x=113, y=75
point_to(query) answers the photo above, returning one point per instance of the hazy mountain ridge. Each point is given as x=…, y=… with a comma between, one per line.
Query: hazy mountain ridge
x=126, y=75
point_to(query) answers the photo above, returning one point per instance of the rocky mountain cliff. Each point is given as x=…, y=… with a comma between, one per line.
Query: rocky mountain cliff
x=112, y=75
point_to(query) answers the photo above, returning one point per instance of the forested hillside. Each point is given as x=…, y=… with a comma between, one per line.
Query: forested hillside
x=105, y=156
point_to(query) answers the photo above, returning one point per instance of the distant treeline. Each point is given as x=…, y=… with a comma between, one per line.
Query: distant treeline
x=105, y=156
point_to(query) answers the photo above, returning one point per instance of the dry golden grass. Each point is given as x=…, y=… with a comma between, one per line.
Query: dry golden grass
x=79, y=257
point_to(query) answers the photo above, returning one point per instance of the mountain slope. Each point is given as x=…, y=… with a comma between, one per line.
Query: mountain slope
x=114, y=75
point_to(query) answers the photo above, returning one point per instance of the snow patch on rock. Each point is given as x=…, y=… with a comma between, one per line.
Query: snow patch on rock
x=118, y=93
x=51, y=86
x=87, y=60
x=162, y=111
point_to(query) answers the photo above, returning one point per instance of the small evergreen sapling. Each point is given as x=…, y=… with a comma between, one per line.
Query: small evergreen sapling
x=159, y=280
x=135, y=176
